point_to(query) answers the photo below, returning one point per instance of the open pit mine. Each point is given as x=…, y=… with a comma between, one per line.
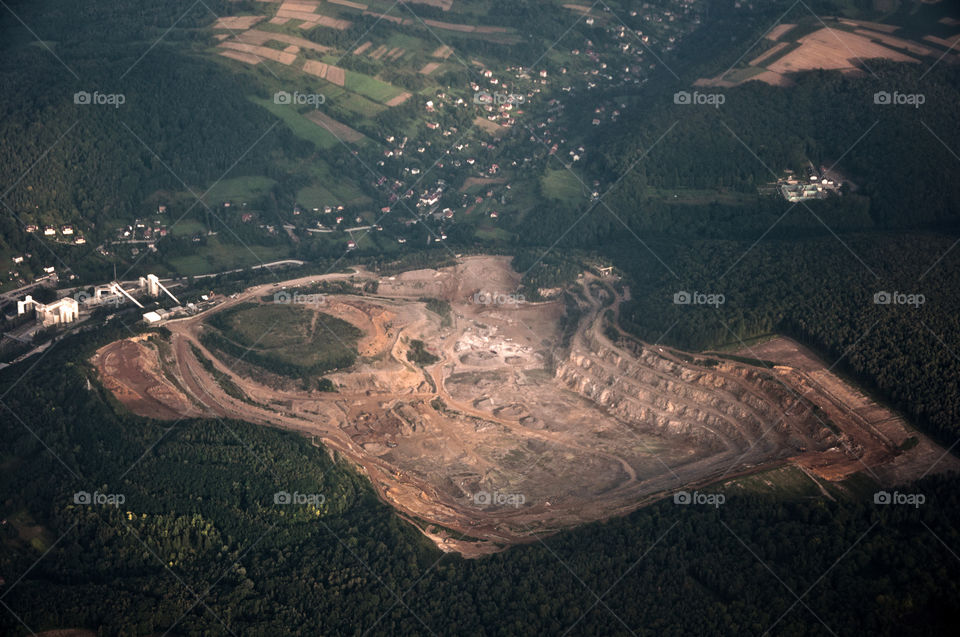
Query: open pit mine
x=500, y=420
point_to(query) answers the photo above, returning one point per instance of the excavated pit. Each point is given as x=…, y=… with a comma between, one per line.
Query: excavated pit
x=508, y=434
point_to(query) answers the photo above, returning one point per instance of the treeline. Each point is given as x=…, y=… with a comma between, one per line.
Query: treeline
x=184, y=124
x=898, y=156
x=820, y=291
x=200, y=545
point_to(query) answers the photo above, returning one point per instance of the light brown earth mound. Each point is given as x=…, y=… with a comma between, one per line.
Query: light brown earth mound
x=532, y=419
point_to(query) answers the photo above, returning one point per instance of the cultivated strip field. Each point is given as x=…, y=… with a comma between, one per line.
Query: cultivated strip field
x=338, y=129
x=257, y=37
x=260, y=52
x=239, y=23
x=834, y=49
x=845, y=47
x=333, y=74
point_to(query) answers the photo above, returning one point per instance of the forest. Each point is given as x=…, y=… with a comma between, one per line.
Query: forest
x=809, y=270
x=199, y=546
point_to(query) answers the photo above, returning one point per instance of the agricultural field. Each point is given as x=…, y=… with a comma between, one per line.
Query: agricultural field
x=561, y=185
x=300, y=125
x=834, y=44
x=238, y=189
x=217, y=256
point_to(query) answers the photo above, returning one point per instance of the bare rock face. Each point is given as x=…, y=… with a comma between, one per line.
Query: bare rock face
x=725, y=405
x=525, y=423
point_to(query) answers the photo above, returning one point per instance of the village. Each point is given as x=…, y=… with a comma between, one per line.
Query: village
x=818, y=184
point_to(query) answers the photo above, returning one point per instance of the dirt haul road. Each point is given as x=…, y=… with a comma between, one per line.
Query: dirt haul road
x=518, y=428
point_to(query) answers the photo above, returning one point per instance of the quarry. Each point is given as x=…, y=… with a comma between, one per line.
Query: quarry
x=487, y=420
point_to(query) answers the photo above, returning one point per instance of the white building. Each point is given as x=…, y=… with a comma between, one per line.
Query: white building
x=59, y=312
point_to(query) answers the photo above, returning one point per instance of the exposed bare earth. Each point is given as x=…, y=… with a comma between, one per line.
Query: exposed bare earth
x=339, y=130
x=247, y=58
x=779, y=30
x=259, y=51
x=399, y=99
x=493, y=128
x=442, y=52
x=826, y=48
x=329, y=72
x=579, y=427
x=834, y=49
x=852, y=410
x=776, y=48
x=347, y=3
x=440, y=4
x=237, y=22
x=255, y=36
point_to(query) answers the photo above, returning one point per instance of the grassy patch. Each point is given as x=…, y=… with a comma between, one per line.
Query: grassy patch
x=187, y=228
x=370, y=87
x=298, y=124
x=562, y=185
x=492, y=234
x=217, y=256
x=291, y=340
x=787, y=480
x=691, y=196
x=239, y=189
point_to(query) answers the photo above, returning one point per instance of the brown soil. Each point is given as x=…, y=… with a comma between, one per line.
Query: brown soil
x=341, y=131
x=579, y=432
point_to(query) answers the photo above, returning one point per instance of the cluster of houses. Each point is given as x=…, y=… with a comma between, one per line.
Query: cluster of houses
x=816, y=186
x=66, y=233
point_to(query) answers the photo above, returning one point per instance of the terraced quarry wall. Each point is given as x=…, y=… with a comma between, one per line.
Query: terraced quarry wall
x=510, y=433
